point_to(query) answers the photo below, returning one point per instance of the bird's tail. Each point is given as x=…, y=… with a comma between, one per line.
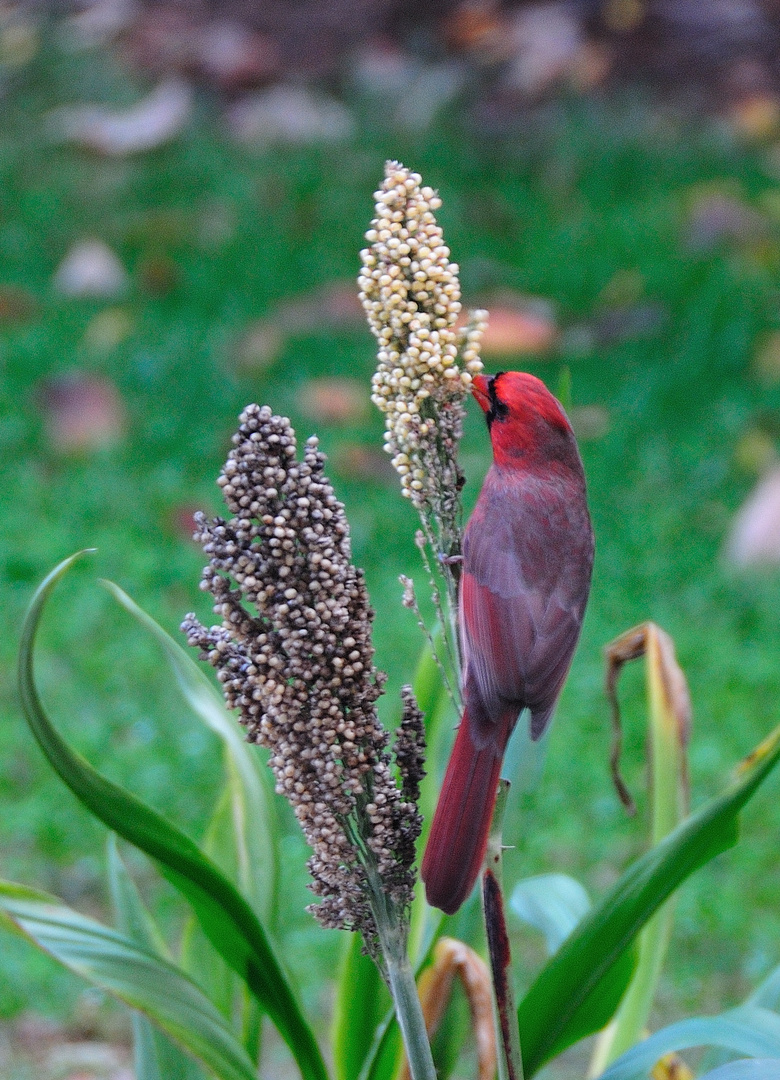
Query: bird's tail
x=459, y=831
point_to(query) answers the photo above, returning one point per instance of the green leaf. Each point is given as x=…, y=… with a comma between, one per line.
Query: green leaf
x=385, y=1055
x=746, y=1069
x=198, y=956
x=131, y=973
x=434, y=700
x=747, y=1030
x=362, y=1003
x=227, y=918
x=131, y=914
x=155, y=1056
x=253, y=838
x=570, y=998
x=242, y=836
x=551, y=903
x=767, y=994
x=367, y=1044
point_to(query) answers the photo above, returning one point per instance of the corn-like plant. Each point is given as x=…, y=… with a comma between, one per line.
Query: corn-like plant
x=294, y=658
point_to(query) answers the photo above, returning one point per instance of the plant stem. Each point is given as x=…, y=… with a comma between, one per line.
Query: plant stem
x=510, y=1059
x=400, y=981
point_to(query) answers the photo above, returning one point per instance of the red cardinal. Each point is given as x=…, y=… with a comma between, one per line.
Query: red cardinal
x=527, y=561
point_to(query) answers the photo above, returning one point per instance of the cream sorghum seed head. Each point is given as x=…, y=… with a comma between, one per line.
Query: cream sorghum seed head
x=411, y=295
x=294, y=656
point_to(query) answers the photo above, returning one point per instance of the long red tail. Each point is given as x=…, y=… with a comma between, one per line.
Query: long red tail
x=459, y=832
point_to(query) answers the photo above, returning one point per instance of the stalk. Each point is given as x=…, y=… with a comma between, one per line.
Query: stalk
x=400, y=981
x=510, y=1058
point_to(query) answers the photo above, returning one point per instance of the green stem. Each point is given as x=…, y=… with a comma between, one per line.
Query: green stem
x=403, y=989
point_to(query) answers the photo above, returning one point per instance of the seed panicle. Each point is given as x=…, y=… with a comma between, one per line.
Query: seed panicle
x=410, y=291
x=294, y=655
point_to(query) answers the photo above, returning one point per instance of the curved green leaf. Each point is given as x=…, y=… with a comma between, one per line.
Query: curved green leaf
x=198, y=956
x=767, y=994
x=226, y=917
x=132, y=974
x=242, y=836
x=254, y=831
x=362, y=1002
x=552, y=904
x=748, y=1030
x=130, y=913
x=746, y=1069
x=570, y=998
x=385, y=1054
x=155, y=1055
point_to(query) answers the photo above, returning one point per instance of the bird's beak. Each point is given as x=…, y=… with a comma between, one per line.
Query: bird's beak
x=480, y=388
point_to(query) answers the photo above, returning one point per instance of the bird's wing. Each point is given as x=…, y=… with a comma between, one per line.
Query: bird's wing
x=526, y=576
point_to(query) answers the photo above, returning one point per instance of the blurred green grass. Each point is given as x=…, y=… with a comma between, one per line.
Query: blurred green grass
x=587, y=191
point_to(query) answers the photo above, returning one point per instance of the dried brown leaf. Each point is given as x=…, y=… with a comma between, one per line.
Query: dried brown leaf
x=451, y=959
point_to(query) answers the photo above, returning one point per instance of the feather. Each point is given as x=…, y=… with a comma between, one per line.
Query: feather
x=525, y=579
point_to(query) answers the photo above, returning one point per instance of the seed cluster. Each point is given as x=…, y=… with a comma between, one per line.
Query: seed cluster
x=295, y=657
x=411, y=294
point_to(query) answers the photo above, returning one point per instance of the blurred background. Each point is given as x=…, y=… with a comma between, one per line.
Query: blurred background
x=184, y=189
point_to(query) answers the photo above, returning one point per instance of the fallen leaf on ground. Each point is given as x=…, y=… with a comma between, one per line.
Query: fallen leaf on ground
x=90, y=1058
x=335, y=400
x=626, y=286
x=477, y=27
x=97, y=23
x=107, y=329
x=359, y=462
x=16, y=304
x=766, y=360
x=517, y=330
x=183, y=521
x=82, y=412
x=754, y=538
x=90, y=268
x=717, y=216
x=19, y=37
x=631, y=321
x=756, y=117
x=590, y=422
x=154, y=120
x=545, y=41
x=289, y=114
x=336, y=303
x=259, y=346
x=755, y=451
x=159, y=274
x=235, y=56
